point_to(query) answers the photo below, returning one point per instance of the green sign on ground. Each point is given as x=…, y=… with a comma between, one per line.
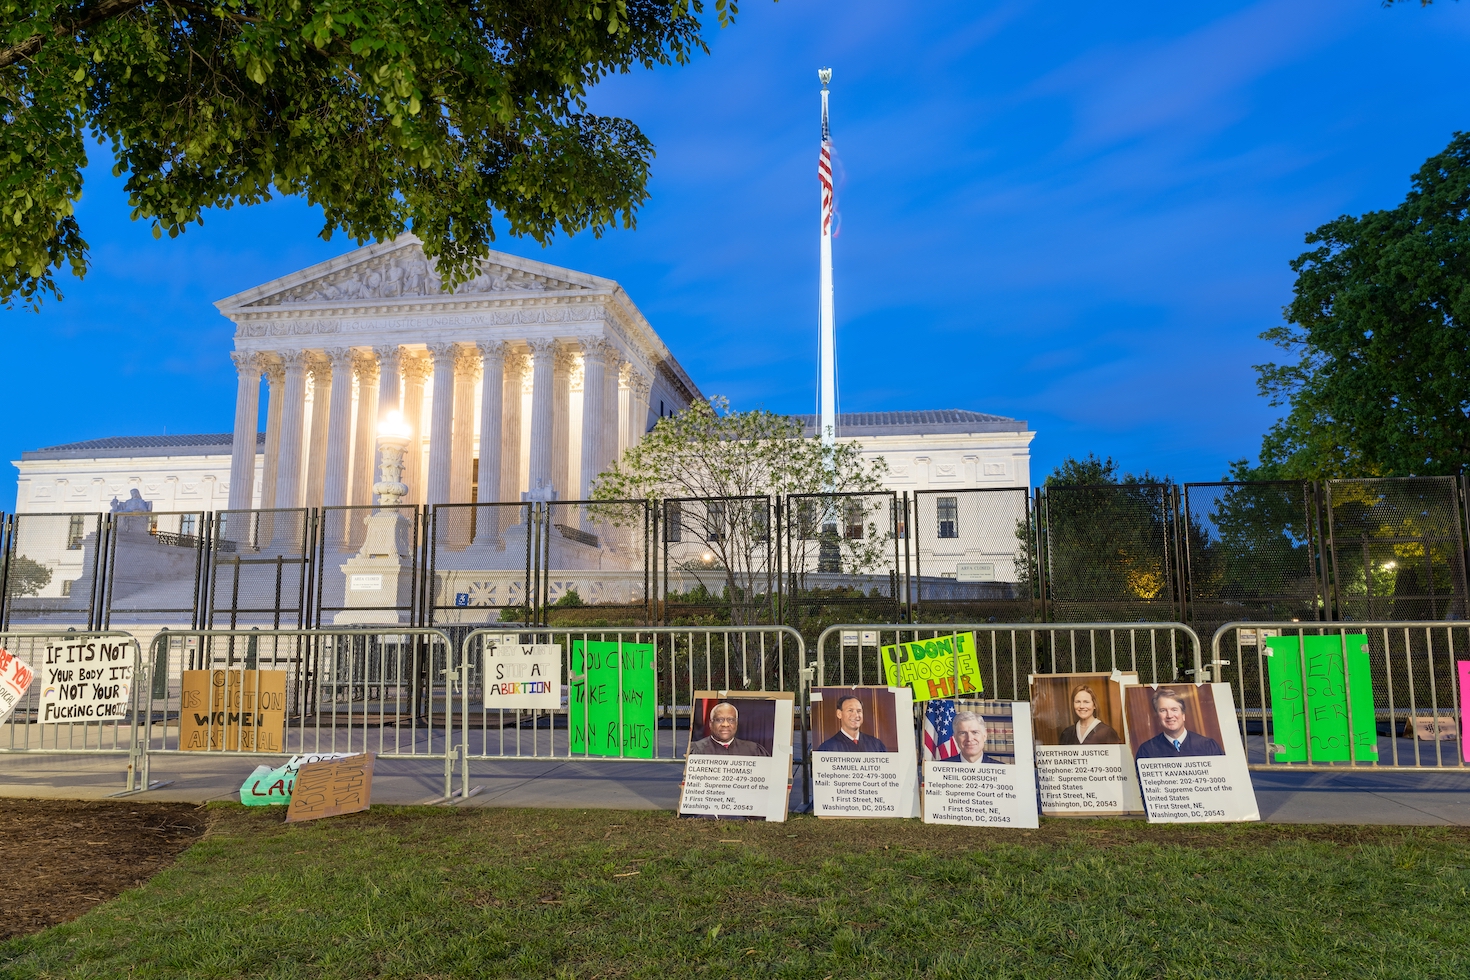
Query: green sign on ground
x=613, y=699
x=1325, y=705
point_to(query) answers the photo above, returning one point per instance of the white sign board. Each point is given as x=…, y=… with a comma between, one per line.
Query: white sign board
x=742, y=786
x=522, y=675
x=1090, y=779
x=365, y=583
x=1202, y=788
x=89, y=680
x=869, y=783
x=985, y=794
x=15, y=678
x=975, y=571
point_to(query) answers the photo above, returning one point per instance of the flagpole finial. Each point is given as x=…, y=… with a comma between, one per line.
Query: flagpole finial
x=825, y=74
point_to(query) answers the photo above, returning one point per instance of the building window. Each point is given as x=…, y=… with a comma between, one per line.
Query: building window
x=760, y=521
x=714, y=529
x=949, y=516
x=66, y=587
x=76, y=530
x=188, y=524
x=852, y=513
x=673, y=521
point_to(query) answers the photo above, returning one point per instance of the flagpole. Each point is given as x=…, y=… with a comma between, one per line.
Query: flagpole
x=827, y=330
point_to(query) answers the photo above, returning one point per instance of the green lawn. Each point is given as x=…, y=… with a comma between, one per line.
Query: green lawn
x=532, y=893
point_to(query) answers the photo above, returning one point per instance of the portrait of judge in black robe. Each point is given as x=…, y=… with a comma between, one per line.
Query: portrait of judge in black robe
x=723, y=723
x=849, y=736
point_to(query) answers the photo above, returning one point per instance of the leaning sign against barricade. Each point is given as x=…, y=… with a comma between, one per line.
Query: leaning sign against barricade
x=942, y=667
x=1375, y=693
x=110, y=726
x=388, y=690
x=15, y=680
x=87, y=680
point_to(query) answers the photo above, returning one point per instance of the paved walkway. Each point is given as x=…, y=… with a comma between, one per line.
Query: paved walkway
x=1360, y=797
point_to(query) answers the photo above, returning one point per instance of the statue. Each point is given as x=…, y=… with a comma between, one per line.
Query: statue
x=135, y=504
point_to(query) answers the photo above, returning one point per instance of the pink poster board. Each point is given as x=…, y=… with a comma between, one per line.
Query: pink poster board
x=1464, y=666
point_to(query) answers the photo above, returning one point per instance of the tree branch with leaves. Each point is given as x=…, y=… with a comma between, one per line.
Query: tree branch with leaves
x=429, y=116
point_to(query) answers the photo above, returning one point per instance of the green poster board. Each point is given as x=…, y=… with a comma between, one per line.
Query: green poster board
x=1326, y=698
x=602, y=722
x=928, y=666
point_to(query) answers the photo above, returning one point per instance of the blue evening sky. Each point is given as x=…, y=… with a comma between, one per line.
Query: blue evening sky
x=1078, y=214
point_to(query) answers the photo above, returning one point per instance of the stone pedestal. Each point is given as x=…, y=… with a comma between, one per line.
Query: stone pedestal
x=379, y=575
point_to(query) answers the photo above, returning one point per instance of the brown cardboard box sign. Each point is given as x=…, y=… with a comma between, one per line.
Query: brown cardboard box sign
x=332, y=788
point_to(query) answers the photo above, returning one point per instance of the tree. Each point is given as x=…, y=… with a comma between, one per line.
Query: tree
x=26, y=576
x=429, y=115
x=714, y=472
x=1380, y=324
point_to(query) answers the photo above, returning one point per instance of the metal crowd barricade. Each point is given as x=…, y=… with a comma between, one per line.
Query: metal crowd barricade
x=683, y=661
x=1412, y=669
x=26, y=731
x=388, y=690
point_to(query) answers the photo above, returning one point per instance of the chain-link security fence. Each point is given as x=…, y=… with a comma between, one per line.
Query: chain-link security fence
x=971, y=555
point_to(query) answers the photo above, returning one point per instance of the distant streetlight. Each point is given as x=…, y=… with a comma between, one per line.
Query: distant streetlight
x=1390, y=565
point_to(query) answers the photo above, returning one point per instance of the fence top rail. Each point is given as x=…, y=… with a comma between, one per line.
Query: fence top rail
x=621, y=632
x=1009, y=628
x=387, y=628
x=23, y=632
x=1334, y=629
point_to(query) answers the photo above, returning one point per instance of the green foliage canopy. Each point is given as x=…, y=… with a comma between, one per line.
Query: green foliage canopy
x=390, y=115
x=1380, y=324
x=715, y=472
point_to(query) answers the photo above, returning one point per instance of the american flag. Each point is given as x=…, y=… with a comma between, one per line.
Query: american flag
x=824, y=174
x=939, y=740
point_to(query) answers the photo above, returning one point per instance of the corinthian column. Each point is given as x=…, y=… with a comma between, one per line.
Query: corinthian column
x=441, y=425
x=638, y=422
x=247, y=424
x=611, y=408
x=543, y=352
x=339, y=430
x=492, y=412
x=363, y=441
x=415, y=373
x=462, y=451
x=561, y=421
x=593, y=369
x=275, y=377
x=625, y=408
x=516, y=362
x=316, y=454
x=390, y=394
x=293, y=412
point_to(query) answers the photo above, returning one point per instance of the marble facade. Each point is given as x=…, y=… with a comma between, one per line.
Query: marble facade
x=526, y=379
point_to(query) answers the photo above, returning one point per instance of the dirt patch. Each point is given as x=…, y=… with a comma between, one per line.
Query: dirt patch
x=58, y=858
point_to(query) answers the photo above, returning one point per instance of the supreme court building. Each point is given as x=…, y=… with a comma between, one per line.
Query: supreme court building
x=524, y=383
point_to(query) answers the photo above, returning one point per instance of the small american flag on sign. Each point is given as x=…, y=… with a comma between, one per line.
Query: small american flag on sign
x=939, y=740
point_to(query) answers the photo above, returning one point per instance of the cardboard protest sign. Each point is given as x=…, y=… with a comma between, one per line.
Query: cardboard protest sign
x=613, y=704
x=15, y=679
x=738, y=763
x=1464, y=668
x=928, y=666
x=1191, y=763
x=332, y=788
x=89, y=680
x=979, y=766
x=1083, y=763
x=863, y=752
x=521, y=675
x=233, y=711
x=272, y=787
x=1324, y=708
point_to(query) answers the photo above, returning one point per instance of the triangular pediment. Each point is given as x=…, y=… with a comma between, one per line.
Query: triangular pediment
x=399, y=271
